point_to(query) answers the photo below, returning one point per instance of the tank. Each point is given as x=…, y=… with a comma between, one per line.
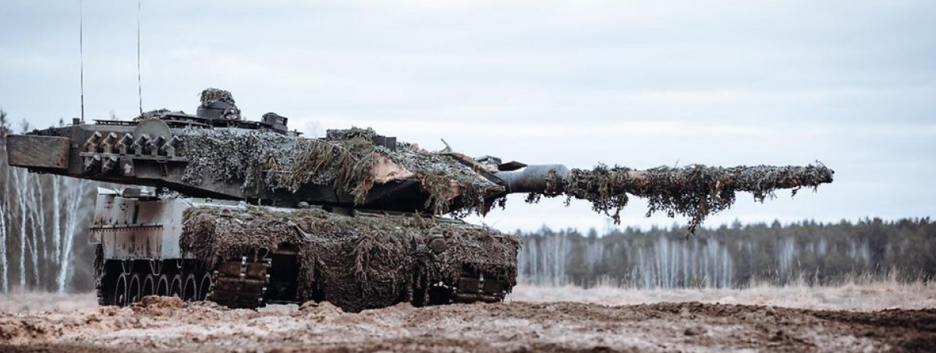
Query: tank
x=245, y=213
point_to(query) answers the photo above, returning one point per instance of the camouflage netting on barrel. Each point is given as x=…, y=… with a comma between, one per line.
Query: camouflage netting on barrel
x=695, y=191
x=346, y=160
x=355, y=262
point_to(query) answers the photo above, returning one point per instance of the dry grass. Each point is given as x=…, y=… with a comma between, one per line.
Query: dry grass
x=41, y=301
x=852, y=296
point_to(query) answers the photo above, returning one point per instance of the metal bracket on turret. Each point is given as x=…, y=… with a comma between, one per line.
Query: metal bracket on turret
x=119, y=153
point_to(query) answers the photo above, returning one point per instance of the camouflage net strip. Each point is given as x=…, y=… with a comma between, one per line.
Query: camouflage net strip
x=355, y=263
x=345, y=160
x=436, y=173
x=694, y=191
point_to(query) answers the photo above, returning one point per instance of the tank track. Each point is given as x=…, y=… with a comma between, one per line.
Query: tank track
x=240, y=282
x=123, y=282
x=243, y=282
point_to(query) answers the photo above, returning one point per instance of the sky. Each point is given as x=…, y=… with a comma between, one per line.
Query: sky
x=636, y=83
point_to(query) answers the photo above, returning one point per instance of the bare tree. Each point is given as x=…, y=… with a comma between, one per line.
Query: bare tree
x=4, y=199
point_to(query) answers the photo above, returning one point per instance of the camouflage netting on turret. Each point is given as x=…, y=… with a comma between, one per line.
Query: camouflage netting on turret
x=213, y=98
x=345, y=159
x=158, y=114
x=211, y=95
x=355, y=263
x=695, y=191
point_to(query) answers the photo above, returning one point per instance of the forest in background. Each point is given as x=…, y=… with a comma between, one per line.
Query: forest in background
x=44, y=246
x=43, y=227
x=733, y=255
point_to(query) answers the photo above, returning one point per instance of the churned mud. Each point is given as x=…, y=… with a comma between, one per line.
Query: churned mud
x=166, y=324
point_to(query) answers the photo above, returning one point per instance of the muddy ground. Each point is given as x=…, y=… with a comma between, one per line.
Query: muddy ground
x=165, y=324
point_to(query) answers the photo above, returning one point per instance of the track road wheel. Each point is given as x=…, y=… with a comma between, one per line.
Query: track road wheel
x=134, y=290
x=204, y=286
x=175, y=286
x=162, y=286
x=120, y=291
x=190, y=289
x=149, y=286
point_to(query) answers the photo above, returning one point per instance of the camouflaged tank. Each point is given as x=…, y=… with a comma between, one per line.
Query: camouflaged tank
x=246, y=213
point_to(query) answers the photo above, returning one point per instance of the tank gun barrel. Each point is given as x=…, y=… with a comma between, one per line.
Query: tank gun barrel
x=555, y=178
x=538, y=178
x=694, y=191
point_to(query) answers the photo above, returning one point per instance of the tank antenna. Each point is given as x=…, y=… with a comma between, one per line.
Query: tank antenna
x=81, y=53
x=139, y=72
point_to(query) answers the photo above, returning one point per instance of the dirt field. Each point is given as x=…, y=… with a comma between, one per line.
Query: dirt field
x=535, y=319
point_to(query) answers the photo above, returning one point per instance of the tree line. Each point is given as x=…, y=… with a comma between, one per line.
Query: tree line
x=44, y=222
x=733, y=255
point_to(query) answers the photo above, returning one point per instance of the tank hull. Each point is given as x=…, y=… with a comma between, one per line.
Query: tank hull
x=244, y=256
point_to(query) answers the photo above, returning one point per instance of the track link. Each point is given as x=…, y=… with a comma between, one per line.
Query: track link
x=477, y=288
x=472, y=286
x=240, y=282
x=99, y=275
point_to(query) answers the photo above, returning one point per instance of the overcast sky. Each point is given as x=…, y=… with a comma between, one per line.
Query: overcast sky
x=635, y=83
